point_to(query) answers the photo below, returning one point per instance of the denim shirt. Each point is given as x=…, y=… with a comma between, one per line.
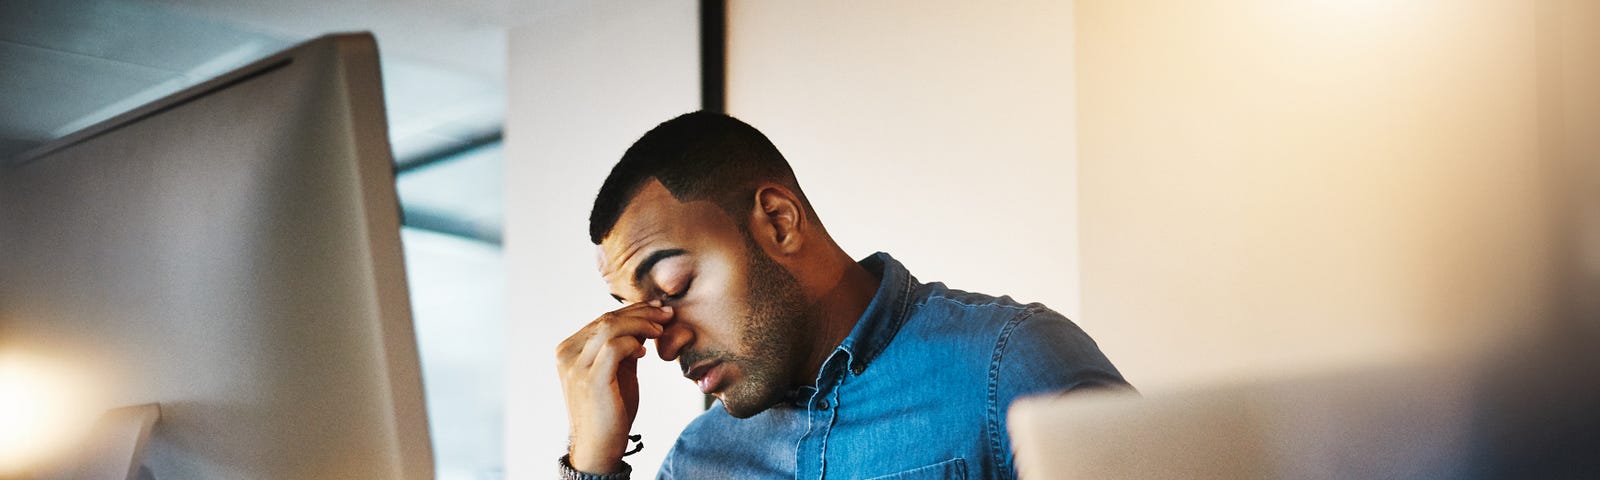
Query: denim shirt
x=919, y=389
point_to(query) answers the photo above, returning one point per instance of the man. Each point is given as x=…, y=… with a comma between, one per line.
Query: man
x=820, y=364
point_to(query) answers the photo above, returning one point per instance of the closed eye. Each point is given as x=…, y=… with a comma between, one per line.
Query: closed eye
x=681, y=292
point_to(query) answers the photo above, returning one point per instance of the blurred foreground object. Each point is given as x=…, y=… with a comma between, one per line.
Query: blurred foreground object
x=1523, y=412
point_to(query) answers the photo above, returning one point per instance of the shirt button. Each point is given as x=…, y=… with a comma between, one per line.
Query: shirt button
x=822, y=404
x=858, y=368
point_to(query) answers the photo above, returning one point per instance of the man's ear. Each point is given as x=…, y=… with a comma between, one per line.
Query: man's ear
x=778, y=220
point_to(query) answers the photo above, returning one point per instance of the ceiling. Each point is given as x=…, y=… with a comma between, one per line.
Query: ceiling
x=65, y=65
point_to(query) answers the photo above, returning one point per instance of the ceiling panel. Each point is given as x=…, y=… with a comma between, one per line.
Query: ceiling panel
x=131, y=33
x=65, y=65
x=55, y=88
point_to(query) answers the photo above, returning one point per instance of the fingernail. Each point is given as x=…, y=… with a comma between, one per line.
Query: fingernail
x=667, y=309
x=655, y=303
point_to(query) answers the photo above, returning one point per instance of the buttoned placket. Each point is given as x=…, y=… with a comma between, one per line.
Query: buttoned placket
x=822, y=410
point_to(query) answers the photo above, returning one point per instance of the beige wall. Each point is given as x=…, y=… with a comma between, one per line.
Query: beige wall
x=584, y=84
x=938, y=131
x=1274, y=187
x=1570, y=103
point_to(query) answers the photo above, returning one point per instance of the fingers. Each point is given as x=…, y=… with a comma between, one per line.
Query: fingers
x=639, y=324
x=611, y=354
x=575, y=343
x=640, y=320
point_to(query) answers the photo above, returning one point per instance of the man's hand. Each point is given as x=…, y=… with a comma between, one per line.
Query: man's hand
x=599, y=375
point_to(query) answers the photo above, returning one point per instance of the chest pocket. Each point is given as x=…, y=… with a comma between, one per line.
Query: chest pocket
x=952, y=469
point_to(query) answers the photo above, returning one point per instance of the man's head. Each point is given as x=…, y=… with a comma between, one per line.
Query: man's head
x=702, y=213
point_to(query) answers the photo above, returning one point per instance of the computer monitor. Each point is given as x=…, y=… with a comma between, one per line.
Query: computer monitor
x=231, y=252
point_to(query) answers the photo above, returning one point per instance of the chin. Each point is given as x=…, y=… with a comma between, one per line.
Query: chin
x=742, y=413
x=742, y=406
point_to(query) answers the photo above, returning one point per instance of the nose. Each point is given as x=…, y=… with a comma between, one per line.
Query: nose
x=673, y=339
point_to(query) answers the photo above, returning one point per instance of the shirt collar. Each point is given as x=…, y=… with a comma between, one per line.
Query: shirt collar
x=884, y=316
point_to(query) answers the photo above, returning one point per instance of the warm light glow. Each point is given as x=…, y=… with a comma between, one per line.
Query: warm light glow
x=43, y=406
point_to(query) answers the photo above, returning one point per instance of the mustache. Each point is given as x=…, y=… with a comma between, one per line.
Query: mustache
x=688, y=359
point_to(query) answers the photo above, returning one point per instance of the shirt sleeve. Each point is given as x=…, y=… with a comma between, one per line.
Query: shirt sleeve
x=1040, y=351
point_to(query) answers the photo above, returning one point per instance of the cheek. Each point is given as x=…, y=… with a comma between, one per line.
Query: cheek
x=715, y=312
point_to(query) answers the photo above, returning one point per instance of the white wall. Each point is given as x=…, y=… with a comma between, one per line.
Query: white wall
x=1272, y=188
x=938, y=131
x=584, y=84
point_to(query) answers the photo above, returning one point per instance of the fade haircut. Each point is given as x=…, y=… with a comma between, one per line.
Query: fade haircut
x=696, y=156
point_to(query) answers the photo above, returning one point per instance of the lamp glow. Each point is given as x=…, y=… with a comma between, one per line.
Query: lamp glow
x=43, y=409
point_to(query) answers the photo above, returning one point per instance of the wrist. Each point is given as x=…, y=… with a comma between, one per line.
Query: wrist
x=596, y=462
x=595, y=465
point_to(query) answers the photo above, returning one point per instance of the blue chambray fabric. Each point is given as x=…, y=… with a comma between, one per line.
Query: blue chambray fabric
x=919, y=389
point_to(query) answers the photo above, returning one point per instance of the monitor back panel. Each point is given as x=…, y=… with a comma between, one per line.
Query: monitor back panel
x=233, y=253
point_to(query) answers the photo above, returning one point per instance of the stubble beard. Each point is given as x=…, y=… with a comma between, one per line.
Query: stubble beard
x=774, y=341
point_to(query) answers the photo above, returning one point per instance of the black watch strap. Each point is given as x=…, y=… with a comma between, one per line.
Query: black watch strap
x=569, y=473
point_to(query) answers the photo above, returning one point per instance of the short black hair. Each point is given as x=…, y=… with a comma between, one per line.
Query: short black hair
x=696, y=156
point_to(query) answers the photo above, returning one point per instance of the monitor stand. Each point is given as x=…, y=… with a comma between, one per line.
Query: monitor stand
x=116, y=448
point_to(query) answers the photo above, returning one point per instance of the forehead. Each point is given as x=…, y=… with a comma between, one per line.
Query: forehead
x=654, y=220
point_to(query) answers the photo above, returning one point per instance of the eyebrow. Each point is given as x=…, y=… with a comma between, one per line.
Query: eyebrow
x=650, y=263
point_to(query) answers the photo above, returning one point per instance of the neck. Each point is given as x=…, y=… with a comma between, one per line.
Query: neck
x=845, y=291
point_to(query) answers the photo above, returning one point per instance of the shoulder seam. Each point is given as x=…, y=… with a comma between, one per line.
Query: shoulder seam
x=995, y=303
x=993, y=408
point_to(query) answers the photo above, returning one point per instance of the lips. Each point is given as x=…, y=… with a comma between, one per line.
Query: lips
x=706, y=375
